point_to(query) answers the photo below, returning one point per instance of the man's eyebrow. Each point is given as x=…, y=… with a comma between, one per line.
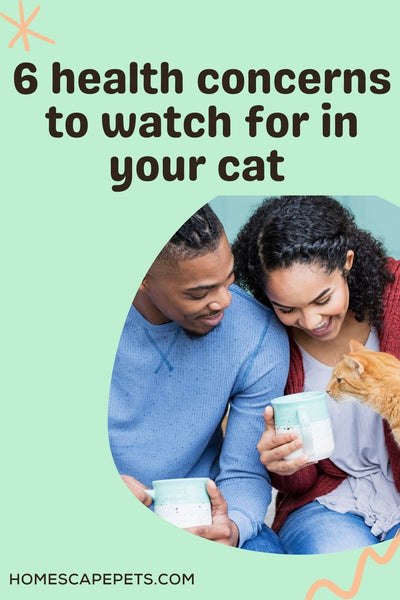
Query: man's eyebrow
x=208, y=287
x=321, y=295
x=200, y=287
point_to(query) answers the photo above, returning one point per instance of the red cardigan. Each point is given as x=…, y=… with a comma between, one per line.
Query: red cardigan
x=317, y=480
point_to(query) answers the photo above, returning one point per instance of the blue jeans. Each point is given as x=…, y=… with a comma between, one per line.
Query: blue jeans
x=315, y=529
x=265, y=541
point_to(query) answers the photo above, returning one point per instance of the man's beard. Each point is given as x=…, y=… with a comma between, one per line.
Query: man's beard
x=194, y=335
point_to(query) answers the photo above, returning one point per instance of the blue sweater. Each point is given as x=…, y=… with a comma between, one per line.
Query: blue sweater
x=169, y=393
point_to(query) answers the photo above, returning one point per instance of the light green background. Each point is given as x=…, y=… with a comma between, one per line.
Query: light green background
x=73, y=253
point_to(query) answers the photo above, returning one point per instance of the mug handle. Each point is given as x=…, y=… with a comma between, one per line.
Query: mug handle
x=151, y=493
x=304, y=421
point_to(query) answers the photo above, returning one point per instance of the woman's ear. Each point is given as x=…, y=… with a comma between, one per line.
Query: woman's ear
x=349, y=260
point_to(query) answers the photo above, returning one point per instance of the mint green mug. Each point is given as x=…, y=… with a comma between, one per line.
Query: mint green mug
x=307, y=414
x=182, y=502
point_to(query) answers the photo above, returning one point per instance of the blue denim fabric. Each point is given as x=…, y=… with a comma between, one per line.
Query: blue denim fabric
x=265, y=541
x=392, y=532
x=315, y=529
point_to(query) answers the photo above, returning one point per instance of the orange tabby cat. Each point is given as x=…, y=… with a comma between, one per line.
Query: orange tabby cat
x=371, y=378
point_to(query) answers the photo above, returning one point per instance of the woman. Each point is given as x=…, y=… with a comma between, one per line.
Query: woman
x=327, y=281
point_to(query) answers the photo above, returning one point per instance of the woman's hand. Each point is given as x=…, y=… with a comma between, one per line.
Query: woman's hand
x=273, y=447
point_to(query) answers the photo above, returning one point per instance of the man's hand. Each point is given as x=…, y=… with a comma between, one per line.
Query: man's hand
x=138, y=489
x=222, y=530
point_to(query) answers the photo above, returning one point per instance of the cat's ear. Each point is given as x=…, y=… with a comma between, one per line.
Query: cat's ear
x=354, y=363
x=356, y=346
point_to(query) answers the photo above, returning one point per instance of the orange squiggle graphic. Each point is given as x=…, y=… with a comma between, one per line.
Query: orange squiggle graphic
x=359, y=571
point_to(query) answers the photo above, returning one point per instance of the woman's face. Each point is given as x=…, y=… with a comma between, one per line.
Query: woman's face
x=306, y=297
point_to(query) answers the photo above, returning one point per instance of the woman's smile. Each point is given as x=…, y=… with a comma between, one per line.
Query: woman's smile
x=323, y=328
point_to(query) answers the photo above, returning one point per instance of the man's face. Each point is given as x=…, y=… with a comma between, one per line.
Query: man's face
x=193, y=293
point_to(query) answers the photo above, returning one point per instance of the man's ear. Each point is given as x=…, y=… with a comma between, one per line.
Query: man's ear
x=144, y=283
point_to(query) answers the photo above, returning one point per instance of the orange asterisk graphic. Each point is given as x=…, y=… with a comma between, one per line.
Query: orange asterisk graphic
x=23, y=27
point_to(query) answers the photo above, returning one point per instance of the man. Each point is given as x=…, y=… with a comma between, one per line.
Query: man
x=192, y=345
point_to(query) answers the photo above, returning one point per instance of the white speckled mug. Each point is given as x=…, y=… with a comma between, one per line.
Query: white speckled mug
x=307, y=414
x=182, y=502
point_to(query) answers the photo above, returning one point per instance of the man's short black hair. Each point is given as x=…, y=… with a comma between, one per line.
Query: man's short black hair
x=198, y=236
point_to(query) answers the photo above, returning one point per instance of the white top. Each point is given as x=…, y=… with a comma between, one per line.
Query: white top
x=360, y=451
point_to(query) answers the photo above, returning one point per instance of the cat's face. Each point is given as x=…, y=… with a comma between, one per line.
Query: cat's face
x=362, y=376
x=348, y=382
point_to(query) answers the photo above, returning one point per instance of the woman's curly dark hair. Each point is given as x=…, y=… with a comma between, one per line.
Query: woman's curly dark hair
x=312, y=229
